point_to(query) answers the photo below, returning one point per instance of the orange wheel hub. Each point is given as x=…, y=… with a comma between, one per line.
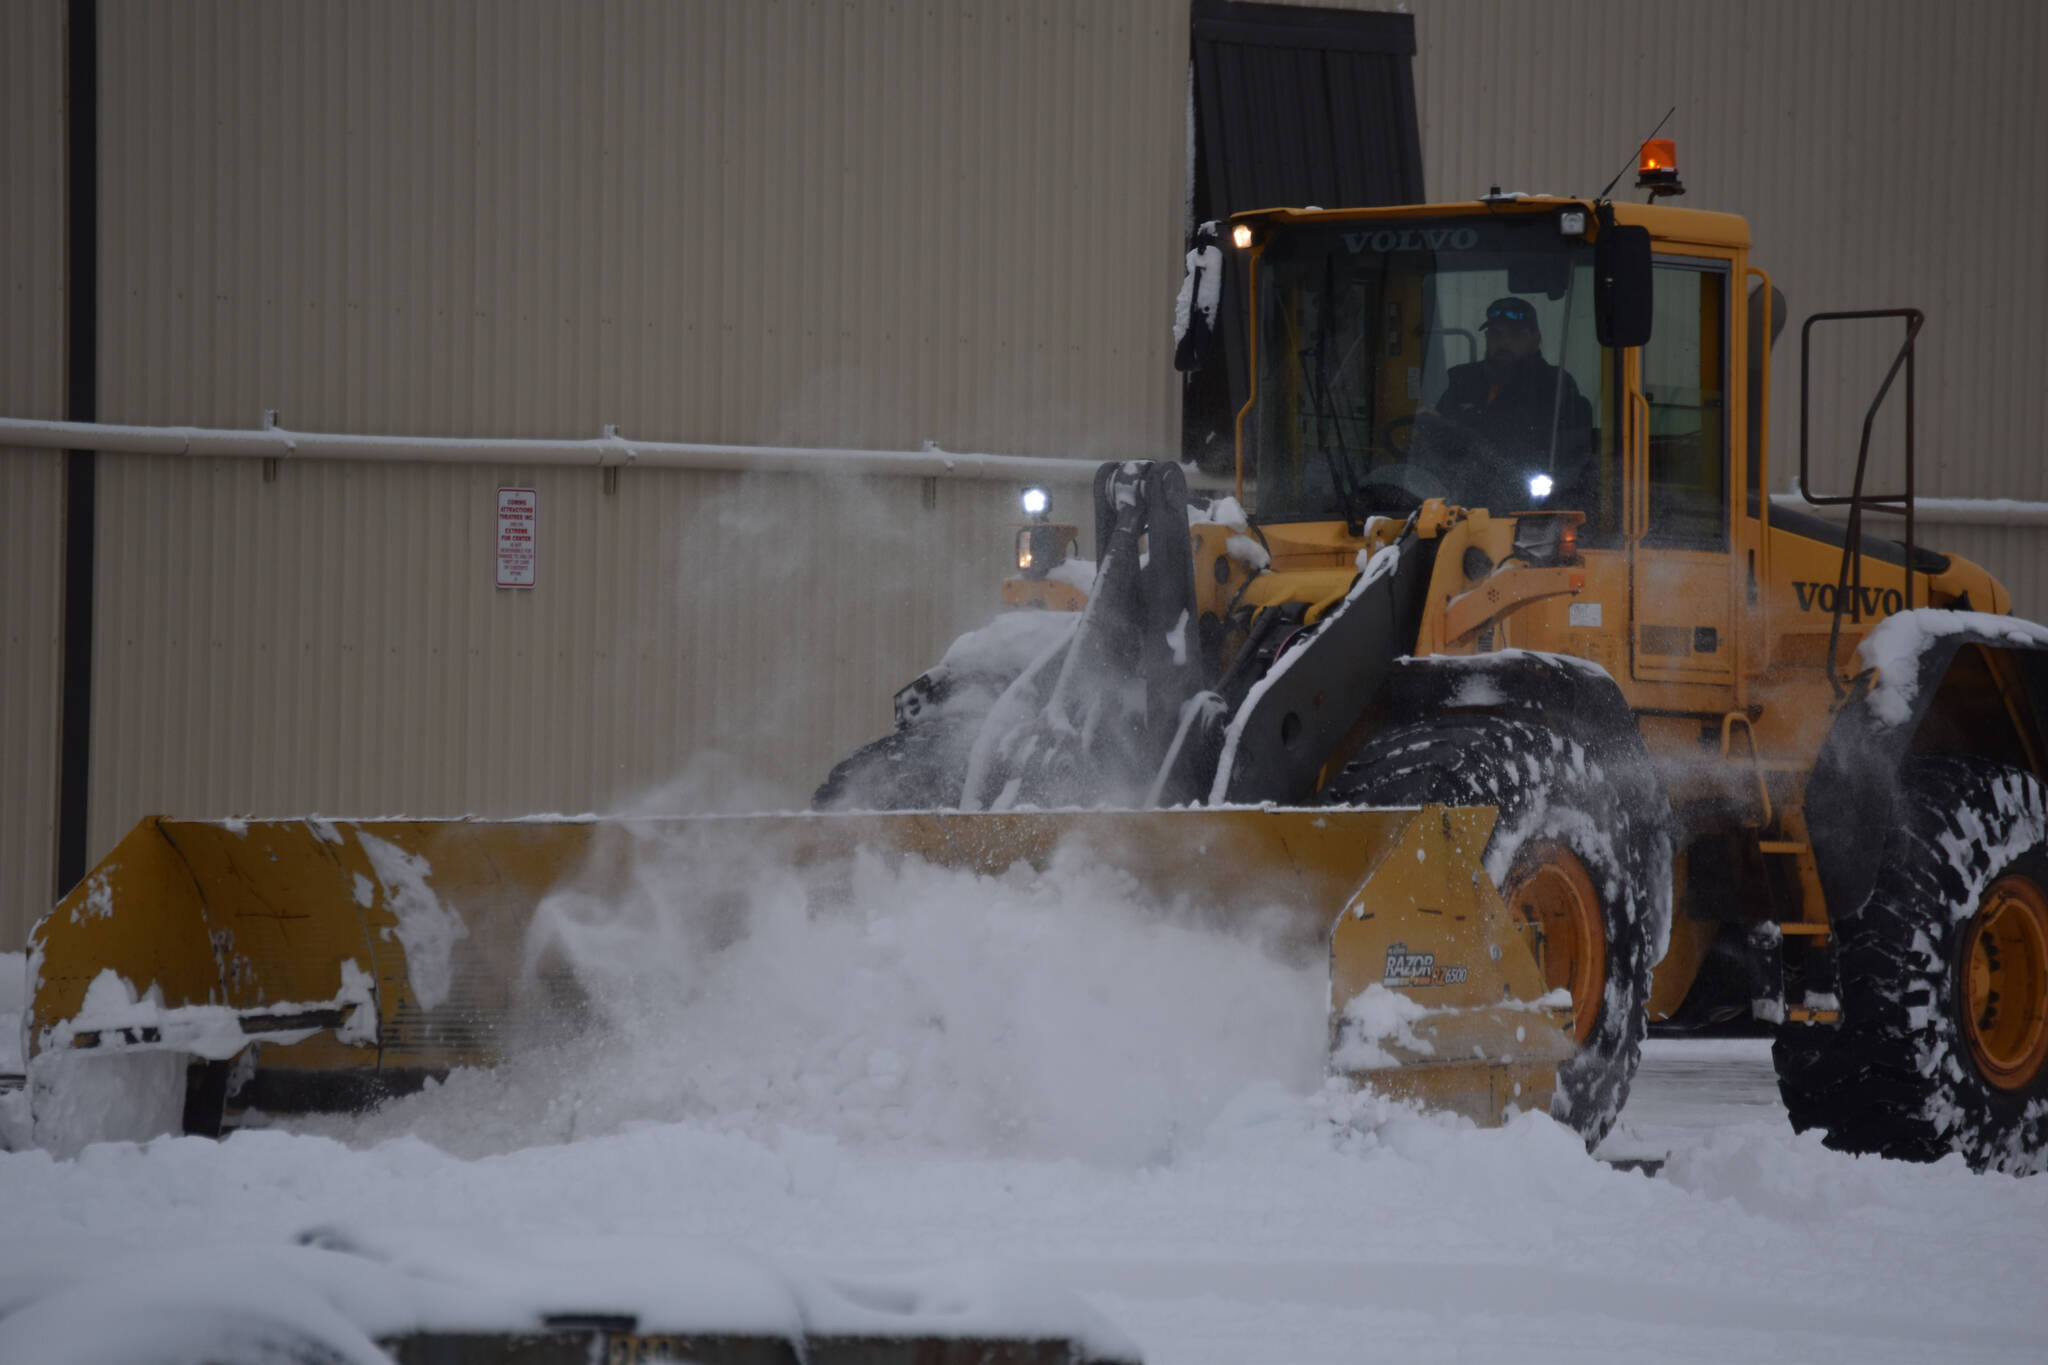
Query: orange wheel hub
x=1549, y=891
x=2005, y=983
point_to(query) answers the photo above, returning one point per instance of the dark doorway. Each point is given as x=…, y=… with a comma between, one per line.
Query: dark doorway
x=1292, y=107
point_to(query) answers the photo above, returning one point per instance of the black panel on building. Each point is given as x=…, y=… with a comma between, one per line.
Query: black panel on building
x=1293, y=106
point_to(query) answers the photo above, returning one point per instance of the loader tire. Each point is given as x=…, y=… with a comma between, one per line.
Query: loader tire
x=1569, y=851
x=919, y=767
x=1943, y=1041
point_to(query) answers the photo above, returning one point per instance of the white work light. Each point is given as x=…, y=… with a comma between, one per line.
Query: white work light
x=1036, y=501
x=1540, y=486
x=1241, y=236
x=1572, y=222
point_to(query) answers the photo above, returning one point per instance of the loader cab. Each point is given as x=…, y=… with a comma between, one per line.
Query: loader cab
x=1449, y=356
x=1371, y=352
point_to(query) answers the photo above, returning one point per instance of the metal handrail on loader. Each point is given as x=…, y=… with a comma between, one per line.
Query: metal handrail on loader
x=1849, y=581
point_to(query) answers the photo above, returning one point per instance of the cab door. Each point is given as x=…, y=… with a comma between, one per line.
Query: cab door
x=1680, y=539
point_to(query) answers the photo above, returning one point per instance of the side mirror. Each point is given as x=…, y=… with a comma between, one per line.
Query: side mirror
x=1621, y=286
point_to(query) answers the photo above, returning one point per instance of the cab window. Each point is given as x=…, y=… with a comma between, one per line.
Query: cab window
x=1684, y=377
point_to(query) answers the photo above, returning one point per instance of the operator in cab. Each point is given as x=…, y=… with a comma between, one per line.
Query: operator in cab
x=1503, y=410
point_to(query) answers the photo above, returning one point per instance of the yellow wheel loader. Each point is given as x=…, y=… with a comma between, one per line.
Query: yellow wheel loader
x=1501, y=678
x=1501, y=537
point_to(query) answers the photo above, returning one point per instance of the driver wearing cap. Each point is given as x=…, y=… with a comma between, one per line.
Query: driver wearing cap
x=1508, y=399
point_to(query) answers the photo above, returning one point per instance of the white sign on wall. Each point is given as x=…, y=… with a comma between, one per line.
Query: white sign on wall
x=515, y=537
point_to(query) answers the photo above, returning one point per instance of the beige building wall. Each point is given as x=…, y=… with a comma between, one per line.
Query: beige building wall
x=770, y=221
x=334, y=641
x=31, y=482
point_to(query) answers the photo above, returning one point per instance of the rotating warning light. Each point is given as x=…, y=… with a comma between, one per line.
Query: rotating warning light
x=1657, y=169
x=1241, y=236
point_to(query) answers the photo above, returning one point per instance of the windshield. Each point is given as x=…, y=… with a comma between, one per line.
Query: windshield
x=1451, y=359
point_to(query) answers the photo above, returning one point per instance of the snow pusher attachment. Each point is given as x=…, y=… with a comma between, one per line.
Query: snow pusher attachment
x=298, y=965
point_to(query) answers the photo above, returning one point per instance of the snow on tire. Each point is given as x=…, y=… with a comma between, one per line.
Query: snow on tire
x=1943, y=1040
x=923, y=764
x=1564, y=821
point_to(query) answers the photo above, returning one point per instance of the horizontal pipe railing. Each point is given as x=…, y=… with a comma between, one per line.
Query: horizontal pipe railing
x=608, y=451
x=618, y=451
x=1940, y=511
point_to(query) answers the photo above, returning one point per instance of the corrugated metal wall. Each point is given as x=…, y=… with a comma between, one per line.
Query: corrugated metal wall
x=31, y=482
x=334, y=641
x=784, y=221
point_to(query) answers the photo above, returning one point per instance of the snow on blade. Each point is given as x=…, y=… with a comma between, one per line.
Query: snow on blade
x=1069, y=1013
x=427, y=929
x=1374, y=1017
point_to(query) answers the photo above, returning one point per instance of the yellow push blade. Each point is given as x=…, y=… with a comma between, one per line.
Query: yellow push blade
x=1436, y=994
x=336, y=961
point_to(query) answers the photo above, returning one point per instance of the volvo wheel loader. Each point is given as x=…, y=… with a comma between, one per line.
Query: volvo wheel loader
x=1500, y=676
x=1501, y=537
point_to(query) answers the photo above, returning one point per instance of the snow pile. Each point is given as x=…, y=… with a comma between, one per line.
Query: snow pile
x=1064, y=1014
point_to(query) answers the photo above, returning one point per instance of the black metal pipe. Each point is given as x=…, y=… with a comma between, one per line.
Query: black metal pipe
x=81, y=404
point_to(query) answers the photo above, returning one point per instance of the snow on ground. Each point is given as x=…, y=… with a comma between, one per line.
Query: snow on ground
x=1061, y=1078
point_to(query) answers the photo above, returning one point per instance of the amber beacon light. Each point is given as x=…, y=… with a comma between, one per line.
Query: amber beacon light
x=1657, y=169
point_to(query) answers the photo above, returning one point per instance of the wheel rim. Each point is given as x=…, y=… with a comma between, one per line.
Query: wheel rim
x=1549, y=891
x=2005, y=976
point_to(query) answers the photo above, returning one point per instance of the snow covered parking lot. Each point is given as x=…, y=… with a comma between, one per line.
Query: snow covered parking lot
x=1292, y=1224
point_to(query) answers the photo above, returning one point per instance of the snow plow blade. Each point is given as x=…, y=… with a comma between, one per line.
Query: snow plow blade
x=316, y=965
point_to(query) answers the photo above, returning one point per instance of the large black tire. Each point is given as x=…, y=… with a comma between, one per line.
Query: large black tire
x=923, y=766
x=1557, y=806
x=1921, y=1065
